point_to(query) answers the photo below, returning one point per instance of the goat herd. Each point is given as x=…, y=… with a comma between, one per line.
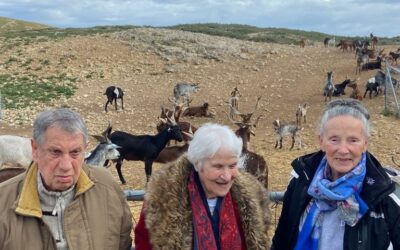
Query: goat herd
x=119, y=145
x=366, y=59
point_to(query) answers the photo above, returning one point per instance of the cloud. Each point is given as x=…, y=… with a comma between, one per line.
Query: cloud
x=337, y=17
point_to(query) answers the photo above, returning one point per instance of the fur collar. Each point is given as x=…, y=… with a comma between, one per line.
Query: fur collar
x=168, y=214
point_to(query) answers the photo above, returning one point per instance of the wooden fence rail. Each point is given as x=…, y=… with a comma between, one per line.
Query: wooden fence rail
x=138, y=195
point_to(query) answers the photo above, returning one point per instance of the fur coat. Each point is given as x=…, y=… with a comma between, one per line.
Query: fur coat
x=168, y=216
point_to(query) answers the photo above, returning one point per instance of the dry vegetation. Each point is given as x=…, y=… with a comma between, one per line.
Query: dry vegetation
x=146, y=63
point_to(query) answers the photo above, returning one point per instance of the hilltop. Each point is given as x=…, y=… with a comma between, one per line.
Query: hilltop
x=14, y=25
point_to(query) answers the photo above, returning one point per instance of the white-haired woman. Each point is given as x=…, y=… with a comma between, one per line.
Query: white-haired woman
x=204, y=200
x=341, y=196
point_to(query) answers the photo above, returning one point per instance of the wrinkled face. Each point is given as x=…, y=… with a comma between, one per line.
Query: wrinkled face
x=218, y=173
x=343, y=141
x=60, y=158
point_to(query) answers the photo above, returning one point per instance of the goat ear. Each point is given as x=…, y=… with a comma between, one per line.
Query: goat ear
x=99, y=138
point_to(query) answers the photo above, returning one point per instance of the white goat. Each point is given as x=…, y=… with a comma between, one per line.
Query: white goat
x=104, y=151
x=289, y=129
x=16, y=150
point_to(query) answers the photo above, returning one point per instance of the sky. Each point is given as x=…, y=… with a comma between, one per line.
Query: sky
x=334, y=17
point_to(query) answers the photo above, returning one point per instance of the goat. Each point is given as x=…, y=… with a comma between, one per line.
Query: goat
x=143, y=147
x=170, y=154
x=329, y=42
x=373, y=86
x=360, y=44
x=104, y=151
x=8, y=173
x=184, y=126
x=373, y=65
x=377, y=84
x=329, y=87
x=175, y=112
x=302, y=42
x=245, y=125
x=282, y=130
x=301, y=112
x=339, y=88
x=199, y=111
x=362, y=59
x=355, y=94
x=394, y=56
x=185, y=90
x=346, y=45
x=15, y=149
x=374, y=40
x=254, y=164
x=113, y=93
x=234, y=100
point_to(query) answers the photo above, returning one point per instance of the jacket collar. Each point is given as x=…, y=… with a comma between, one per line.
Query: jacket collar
x=28, y=202
x=376, y=184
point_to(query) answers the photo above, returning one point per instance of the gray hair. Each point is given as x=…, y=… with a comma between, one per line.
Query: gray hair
x=210, y=138
x=345, y=107
x=63, y=118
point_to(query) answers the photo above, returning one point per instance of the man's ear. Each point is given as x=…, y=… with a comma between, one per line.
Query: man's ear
x=34, y=149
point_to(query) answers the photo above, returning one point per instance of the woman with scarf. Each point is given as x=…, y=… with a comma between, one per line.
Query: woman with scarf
x=341, y=196
x=204, y=201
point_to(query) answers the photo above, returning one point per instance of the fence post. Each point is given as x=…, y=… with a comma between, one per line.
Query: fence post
x=1, y=111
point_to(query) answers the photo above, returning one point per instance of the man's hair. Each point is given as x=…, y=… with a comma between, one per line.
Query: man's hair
x=210, y=138
x=345, y=107
x=63, y=118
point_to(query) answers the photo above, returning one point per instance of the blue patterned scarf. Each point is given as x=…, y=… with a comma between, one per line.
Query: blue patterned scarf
x=342, y=194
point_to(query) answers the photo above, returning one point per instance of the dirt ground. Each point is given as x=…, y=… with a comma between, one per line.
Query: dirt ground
x=284, y=75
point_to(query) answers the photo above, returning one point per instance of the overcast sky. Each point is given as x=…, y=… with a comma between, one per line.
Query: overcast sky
x=335, y=17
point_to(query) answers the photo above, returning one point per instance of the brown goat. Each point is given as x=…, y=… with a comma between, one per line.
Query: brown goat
x=254, y=163
x=302, y=42
x=199, y=111
x=170, y=154
x=8, y=173
x=356, y=94
x=374, y=40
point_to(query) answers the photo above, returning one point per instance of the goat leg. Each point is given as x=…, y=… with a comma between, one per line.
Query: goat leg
x=148, y=167
x=121, y=177
x=105, y=107
x=292, y=143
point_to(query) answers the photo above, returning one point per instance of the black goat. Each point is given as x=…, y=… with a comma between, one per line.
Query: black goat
x=143, y=147
x=113, y=93
x=372, y=65
x=377, y=84
x=339, y=88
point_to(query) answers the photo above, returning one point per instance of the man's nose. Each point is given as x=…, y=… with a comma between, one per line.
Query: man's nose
x=65, y=162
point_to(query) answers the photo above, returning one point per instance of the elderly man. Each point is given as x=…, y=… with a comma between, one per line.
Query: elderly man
x=60, y=203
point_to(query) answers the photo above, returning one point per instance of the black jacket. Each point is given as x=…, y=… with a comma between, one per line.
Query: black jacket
x=379, y=227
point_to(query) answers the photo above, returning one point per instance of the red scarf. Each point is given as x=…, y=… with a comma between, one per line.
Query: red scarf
x=229, y=232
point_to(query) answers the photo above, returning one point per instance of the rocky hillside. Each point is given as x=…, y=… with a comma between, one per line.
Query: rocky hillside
x=146, y=63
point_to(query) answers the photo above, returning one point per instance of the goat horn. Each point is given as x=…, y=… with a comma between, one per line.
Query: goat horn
x=188, y=134
x=238, y=123
x=99, y=138
x=394, y=162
